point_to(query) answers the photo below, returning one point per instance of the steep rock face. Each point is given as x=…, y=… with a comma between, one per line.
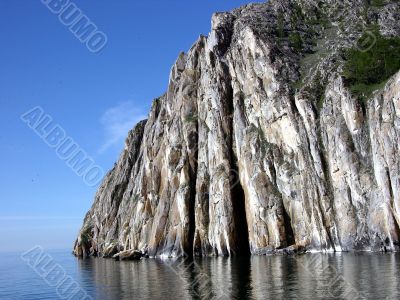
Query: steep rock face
x=259, y=145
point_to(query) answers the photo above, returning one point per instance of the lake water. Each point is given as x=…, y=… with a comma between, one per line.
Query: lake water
x=310, y=276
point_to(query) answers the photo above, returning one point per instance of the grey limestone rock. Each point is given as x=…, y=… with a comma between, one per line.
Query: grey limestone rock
x=258, y=145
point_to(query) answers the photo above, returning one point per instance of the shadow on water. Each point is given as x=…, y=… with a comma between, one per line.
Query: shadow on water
x=311, y=276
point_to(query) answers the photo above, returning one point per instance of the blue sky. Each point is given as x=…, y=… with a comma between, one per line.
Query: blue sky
x=95, y=98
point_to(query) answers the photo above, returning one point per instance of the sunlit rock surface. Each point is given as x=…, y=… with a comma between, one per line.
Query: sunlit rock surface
x=259, y=145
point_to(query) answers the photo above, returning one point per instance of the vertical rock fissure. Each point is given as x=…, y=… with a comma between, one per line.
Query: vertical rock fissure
x=237, y=192
x=238, y=202
x=190, y=250
x=289, y=234
x=327, y=182
x=192, y=201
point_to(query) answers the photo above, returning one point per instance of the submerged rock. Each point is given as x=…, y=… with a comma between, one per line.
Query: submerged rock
x=128, y=255
x=294, y=249
x=259, y=144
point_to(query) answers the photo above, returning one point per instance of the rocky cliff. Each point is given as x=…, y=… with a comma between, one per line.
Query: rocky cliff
x=259, y=144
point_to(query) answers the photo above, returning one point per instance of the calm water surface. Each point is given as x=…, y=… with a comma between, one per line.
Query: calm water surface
x=311, y=276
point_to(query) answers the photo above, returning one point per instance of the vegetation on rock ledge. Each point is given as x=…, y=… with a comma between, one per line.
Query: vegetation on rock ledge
x=371, y=63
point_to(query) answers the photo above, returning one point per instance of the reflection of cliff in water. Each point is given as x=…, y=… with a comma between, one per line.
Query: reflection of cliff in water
x=318, y=276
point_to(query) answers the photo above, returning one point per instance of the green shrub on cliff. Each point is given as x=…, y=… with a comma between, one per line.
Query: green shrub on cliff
x=377, y=3
x=371, y=63
x=295, y=41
